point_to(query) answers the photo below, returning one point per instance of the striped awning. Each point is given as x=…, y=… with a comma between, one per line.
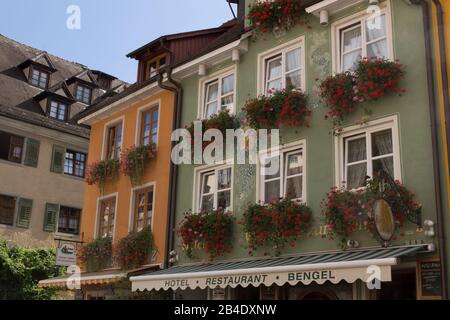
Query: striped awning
x=103, y=277
x=363, y=264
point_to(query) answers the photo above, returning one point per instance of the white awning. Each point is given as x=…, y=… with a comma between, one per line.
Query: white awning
x=350, y=266
x=103, y=277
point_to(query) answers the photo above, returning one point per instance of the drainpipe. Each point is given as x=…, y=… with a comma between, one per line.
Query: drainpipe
x=444, y=74
x=176, y=122
x=434, y=134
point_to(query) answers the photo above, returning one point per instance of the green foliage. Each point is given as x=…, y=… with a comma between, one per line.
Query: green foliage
x=21, y=269
x=134, y=250
x=96, y=255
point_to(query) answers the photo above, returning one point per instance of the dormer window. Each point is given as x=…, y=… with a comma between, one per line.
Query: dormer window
x=58, y=110
x=39, y=78
x=154, y=65
x=83, y=94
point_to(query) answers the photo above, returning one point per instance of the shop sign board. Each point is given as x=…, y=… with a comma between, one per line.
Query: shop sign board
x=429, y=280
x=66, y=254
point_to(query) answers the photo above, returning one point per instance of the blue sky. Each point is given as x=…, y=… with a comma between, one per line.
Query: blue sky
x=109, y=28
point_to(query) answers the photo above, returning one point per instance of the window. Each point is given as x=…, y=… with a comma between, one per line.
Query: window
x=69, y=220
x=367, y=36
x=282, y=67
x=149, y=126
x=39, y=78
x=106, y=219
x=58, y=110
x=153, y=66
x=367, y=152
x=83, y=94
x=143, y=208
x=283, y=176
x=218, y=95
x=11, y=147
x=75, y=163
x=114, y=141
x=215, y=189
x=7, y=208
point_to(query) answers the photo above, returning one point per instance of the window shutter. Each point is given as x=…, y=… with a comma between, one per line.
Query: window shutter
x=32, y=153
x=58, y=159
x=24, y=213
x=51, y=214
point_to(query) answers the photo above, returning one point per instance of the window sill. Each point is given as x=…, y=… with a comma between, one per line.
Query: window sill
x=12, y=163
x=73, y=177
x=66, y=236
x=7, y=227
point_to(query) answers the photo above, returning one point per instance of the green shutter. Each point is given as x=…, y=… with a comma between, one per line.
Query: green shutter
x=24, y=213
x=51, y=214
x=32, y=153
x=58, y=159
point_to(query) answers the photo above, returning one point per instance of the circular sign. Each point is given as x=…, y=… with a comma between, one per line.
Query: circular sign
x=384, y=220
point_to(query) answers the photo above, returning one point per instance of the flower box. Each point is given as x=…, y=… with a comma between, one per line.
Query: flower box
x=211, y=230
x=101, y=171
x=281, y=108
x=135, y=249
x=344, y=210
x=373, y=79
x=276, y=224
x=221, y=121
x=277, y=16
x=133, y=160
x=96, y=255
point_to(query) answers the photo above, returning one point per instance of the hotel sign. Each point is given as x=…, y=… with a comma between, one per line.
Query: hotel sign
x=233, y=278
x=66, y=254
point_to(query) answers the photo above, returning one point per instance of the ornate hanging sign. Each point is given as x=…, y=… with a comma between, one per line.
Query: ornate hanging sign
x=384, y=220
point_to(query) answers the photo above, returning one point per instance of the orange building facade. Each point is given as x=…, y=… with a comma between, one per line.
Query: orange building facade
x=155, y=180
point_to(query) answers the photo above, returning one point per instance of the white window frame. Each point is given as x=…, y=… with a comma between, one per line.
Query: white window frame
x=198, y=184
x=69, y=235
x=140, y=112
x=284, y=151
x=217, y=76
x=97, y=213
x=133, y=204
x=298, y=43
x=361, y=17
x=366, y=130
x=105, y=134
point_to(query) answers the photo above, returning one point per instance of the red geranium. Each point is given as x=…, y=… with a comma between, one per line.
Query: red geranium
x=286, y=107
x=210, y=229
x=276, y=224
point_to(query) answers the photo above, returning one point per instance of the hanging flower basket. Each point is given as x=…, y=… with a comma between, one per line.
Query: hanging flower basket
x=373, y=79
x=133, y=160
x=283, y=108
x=211, y=230
x=275, y=225
x=345, y=210
x=101, y=171
x=221, y=121
x=96, y=255
x=135, y=249
x=277, y=16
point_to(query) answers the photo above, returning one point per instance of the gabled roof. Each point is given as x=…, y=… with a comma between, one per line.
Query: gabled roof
x=20, y=100
x=175, y=36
